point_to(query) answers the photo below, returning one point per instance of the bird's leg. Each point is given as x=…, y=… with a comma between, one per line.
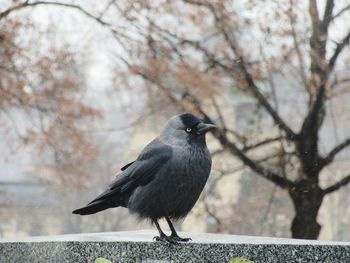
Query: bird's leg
x=174, y=235
x=162, y=237
x=161, y=233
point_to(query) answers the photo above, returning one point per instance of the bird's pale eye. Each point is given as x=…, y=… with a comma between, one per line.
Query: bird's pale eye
x=188, y=129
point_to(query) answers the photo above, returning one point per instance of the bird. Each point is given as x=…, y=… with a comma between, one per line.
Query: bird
x=166, y=179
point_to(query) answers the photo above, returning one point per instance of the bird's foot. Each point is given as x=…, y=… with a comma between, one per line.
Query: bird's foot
x=165, y=238
x=180, y=239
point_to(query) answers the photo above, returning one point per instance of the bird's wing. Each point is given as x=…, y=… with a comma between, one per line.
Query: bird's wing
x=139, y=172
x=126, y=166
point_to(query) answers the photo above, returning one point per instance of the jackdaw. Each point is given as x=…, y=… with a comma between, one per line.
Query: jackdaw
x=165, y=181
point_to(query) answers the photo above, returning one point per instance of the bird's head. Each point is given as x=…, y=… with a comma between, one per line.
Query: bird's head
x=186, y=128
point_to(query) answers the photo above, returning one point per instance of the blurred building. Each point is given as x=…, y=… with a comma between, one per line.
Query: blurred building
x=23, y=198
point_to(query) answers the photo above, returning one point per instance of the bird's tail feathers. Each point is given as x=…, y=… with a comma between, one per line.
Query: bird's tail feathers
x=92, y=208
x=99, y=205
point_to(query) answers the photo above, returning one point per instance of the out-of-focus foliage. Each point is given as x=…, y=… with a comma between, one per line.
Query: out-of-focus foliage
x=42, y=87
x=55, y=141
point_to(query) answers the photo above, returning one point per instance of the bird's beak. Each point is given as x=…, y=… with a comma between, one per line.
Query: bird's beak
x=203, y=128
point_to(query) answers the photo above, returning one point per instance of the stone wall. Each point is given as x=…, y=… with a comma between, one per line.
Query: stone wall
x=138, y=246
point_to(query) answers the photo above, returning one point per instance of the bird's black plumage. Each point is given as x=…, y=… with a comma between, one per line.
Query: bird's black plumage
x=134, y=174
x=165, y=181
x=189, y=120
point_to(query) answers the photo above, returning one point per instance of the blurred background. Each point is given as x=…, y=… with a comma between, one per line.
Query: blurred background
x=85, y=85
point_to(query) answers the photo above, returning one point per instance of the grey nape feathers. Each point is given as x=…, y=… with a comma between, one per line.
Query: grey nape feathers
x=165, y=181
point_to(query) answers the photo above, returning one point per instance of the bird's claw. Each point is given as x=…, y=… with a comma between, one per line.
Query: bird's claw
x=170, y=239
x=180, y=239
x=158, y=238
x=164, y=239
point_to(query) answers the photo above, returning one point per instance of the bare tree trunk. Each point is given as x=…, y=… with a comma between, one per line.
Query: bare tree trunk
x=307, y=198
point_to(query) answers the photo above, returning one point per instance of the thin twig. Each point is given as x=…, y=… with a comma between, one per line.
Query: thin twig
x=343, y=182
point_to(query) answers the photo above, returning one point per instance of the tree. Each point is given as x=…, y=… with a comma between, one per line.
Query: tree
x=42, y=88
x=43, y=108
x=191, y=53
x=192, y=59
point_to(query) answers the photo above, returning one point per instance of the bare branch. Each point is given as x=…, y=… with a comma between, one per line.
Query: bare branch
x=341, y=11
x=242, y=139
x=260, y=170
x=318, y=43
x=330, y=157
x=308, y=137
x=11, y=9
x=218, y=111
x=313, y=11
x=248, y=77
x=314, y=117
x=270, y=79
x=328, y=11
x=255, y=90
x=262, y=143
x=336, y=81
x=27, y=4
x=300, y=56
x=96, y=18
x=343, y=182
x=242, y=167
x=338, y=50
x=263, y=101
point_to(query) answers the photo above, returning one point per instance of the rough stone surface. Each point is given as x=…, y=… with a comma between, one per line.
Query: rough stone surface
x=138, y=247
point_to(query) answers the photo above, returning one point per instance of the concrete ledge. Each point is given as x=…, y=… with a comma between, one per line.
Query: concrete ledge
x=137, y=246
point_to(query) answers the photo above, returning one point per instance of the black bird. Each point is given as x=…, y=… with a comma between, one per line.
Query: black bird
x=165, y=181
